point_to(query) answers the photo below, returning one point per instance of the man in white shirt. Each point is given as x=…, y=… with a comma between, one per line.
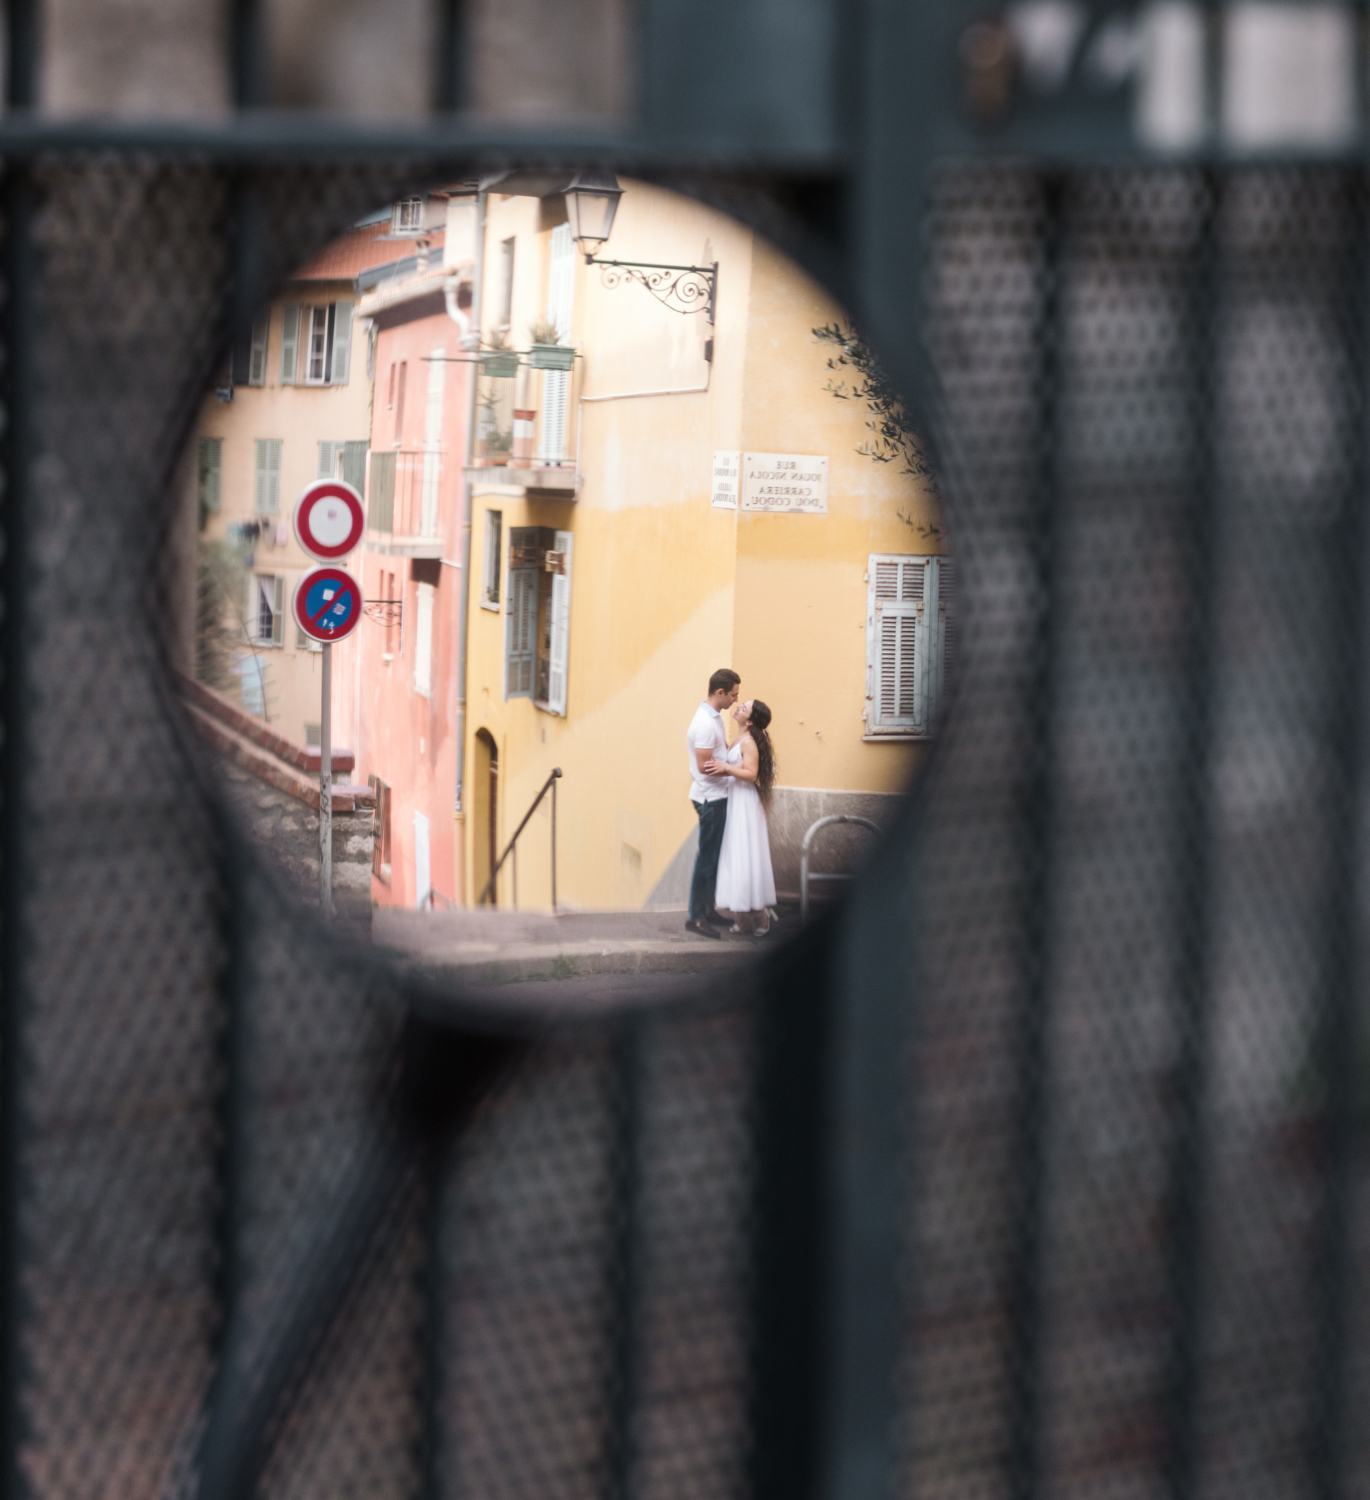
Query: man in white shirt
x=709, y=793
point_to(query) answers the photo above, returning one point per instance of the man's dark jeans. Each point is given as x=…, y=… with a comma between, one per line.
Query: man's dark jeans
x=712, y=817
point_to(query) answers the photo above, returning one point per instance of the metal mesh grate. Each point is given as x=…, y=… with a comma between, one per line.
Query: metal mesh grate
x=1133, y=1221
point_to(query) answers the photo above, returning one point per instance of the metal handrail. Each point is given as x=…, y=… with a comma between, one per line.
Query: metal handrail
x=810, y=833
x=549, y=785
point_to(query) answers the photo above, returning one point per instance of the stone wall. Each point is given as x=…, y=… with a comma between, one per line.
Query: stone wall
x=286, y=832
x=794, y=809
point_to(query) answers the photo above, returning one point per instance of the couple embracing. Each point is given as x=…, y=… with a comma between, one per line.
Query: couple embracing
x=731, y=789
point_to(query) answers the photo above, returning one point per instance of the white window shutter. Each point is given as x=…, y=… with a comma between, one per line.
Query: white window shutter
x=556, y=384
x=432, y=441
x=897, y=645
x=552, y=444
x=520, y=633
x=561, y=628
x=423, y=641
x=342, y=343
x=290, y=342
x=561, y=280
x=327, y=458
x=256, y=361
x=278, y=605
x=267, y=482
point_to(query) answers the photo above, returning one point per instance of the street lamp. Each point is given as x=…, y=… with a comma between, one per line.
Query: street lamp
x=591, y=203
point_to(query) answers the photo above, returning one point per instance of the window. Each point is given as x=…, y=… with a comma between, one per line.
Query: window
x=345, y=460
x=252, y=671
x=247, y=360
x=266, y=490
x=556, y=384
x=316, y=343
x=491, y=562
x=266, y=608
x=909, y=637
x=380, y=829
x=256, y=359
x=399, y=402
x=423, y=641
x=406, y=217
x=318, y=335
x=504, y=305
x=381, y=501
x=538, y=616
x=390, y=399
x=305, y=642
x=209, y=469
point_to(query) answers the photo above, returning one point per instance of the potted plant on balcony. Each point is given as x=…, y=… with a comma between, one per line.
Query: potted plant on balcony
x=499, y=362
x=548, y=352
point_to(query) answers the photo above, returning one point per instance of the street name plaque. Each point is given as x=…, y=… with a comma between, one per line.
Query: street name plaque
x=794, y=482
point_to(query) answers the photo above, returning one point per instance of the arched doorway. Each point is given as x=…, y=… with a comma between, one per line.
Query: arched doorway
x=484, y=811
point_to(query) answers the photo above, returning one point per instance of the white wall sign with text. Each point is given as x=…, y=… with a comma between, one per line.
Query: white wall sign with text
x=785, y=481
x=723, y=490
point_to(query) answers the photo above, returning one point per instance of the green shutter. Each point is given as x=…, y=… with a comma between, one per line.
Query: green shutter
x=278, y=619
x=210, y=472
x=354, y=464
x=342, y=343
x=290, y=341
x=381, y=500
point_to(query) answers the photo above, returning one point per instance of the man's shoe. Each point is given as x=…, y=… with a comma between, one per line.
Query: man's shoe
x=701, y=929
x=714, y=919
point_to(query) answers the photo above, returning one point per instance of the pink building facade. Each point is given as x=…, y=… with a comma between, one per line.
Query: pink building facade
x=402, y=672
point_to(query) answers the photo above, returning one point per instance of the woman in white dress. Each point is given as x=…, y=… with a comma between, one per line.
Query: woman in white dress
x=746, y=882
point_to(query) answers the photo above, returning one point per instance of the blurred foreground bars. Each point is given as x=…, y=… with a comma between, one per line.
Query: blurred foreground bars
x=270, y=1223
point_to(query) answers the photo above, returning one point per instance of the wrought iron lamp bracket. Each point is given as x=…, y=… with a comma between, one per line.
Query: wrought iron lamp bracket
x=385, y=612
x=683, y=289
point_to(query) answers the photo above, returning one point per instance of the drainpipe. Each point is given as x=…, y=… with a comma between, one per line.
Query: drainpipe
x=469, y=341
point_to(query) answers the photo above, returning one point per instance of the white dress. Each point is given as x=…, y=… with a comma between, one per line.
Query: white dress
x=746, y=881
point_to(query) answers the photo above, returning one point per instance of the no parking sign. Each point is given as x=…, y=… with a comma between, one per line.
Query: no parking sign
x=327, y=604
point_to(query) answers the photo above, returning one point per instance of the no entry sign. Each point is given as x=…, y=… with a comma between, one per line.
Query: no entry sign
x=329, y=520
x=327, y=604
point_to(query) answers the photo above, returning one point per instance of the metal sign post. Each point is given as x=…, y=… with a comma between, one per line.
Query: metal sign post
x=327, y=521
x=327, y=607
x=326, y=786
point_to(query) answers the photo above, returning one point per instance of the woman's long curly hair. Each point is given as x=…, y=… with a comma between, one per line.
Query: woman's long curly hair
x=765, y=755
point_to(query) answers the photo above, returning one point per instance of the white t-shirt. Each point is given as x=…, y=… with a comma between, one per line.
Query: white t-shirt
x=706, y=733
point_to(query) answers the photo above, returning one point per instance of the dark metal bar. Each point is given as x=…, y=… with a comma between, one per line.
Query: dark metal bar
x=23, y=24
x=1040, y=811
x=1347, y=736
x=19, y=264
x=450, y=84
x=453, y=142
x=1195, y=874
x=248, y=54
x=629, y=1176
x=554, y=842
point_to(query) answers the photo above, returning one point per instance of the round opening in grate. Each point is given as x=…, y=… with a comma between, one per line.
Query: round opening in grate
x=579, y=529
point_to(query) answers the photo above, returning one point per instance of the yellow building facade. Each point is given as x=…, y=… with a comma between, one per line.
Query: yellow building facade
x=657, y=579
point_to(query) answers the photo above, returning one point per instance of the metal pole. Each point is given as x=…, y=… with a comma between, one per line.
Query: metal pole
x=554, y=844
x=326, y=786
